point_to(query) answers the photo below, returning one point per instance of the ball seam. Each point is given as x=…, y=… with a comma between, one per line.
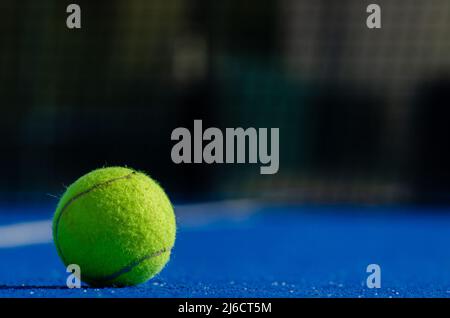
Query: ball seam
x=127, y=268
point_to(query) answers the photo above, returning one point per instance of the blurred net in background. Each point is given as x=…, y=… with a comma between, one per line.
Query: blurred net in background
x=362, y=113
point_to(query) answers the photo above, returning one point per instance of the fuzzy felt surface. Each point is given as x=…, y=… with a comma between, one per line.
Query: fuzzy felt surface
x=117, y=224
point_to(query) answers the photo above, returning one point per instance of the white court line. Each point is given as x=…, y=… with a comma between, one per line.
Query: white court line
x=191, y=215
x=21, y=234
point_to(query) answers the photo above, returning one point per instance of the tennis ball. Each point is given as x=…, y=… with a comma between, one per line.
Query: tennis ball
x=117, y=224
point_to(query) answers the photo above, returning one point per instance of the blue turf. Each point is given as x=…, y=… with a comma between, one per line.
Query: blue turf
x=276, y=252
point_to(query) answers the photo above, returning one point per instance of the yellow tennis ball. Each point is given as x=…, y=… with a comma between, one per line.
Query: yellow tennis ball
x=117, y=224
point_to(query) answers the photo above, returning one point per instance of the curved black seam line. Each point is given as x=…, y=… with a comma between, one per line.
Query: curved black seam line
x=77, y=196
x=130, y=267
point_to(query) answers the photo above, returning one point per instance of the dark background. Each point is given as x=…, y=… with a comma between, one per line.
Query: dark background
x=363, y=114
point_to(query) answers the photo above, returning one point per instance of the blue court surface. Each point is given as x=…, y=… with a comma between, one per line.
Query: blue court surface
x=247, y=249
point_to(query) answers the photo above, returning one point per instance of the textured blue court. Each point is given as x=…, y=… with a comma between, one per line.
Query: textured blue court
x=256, y=250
